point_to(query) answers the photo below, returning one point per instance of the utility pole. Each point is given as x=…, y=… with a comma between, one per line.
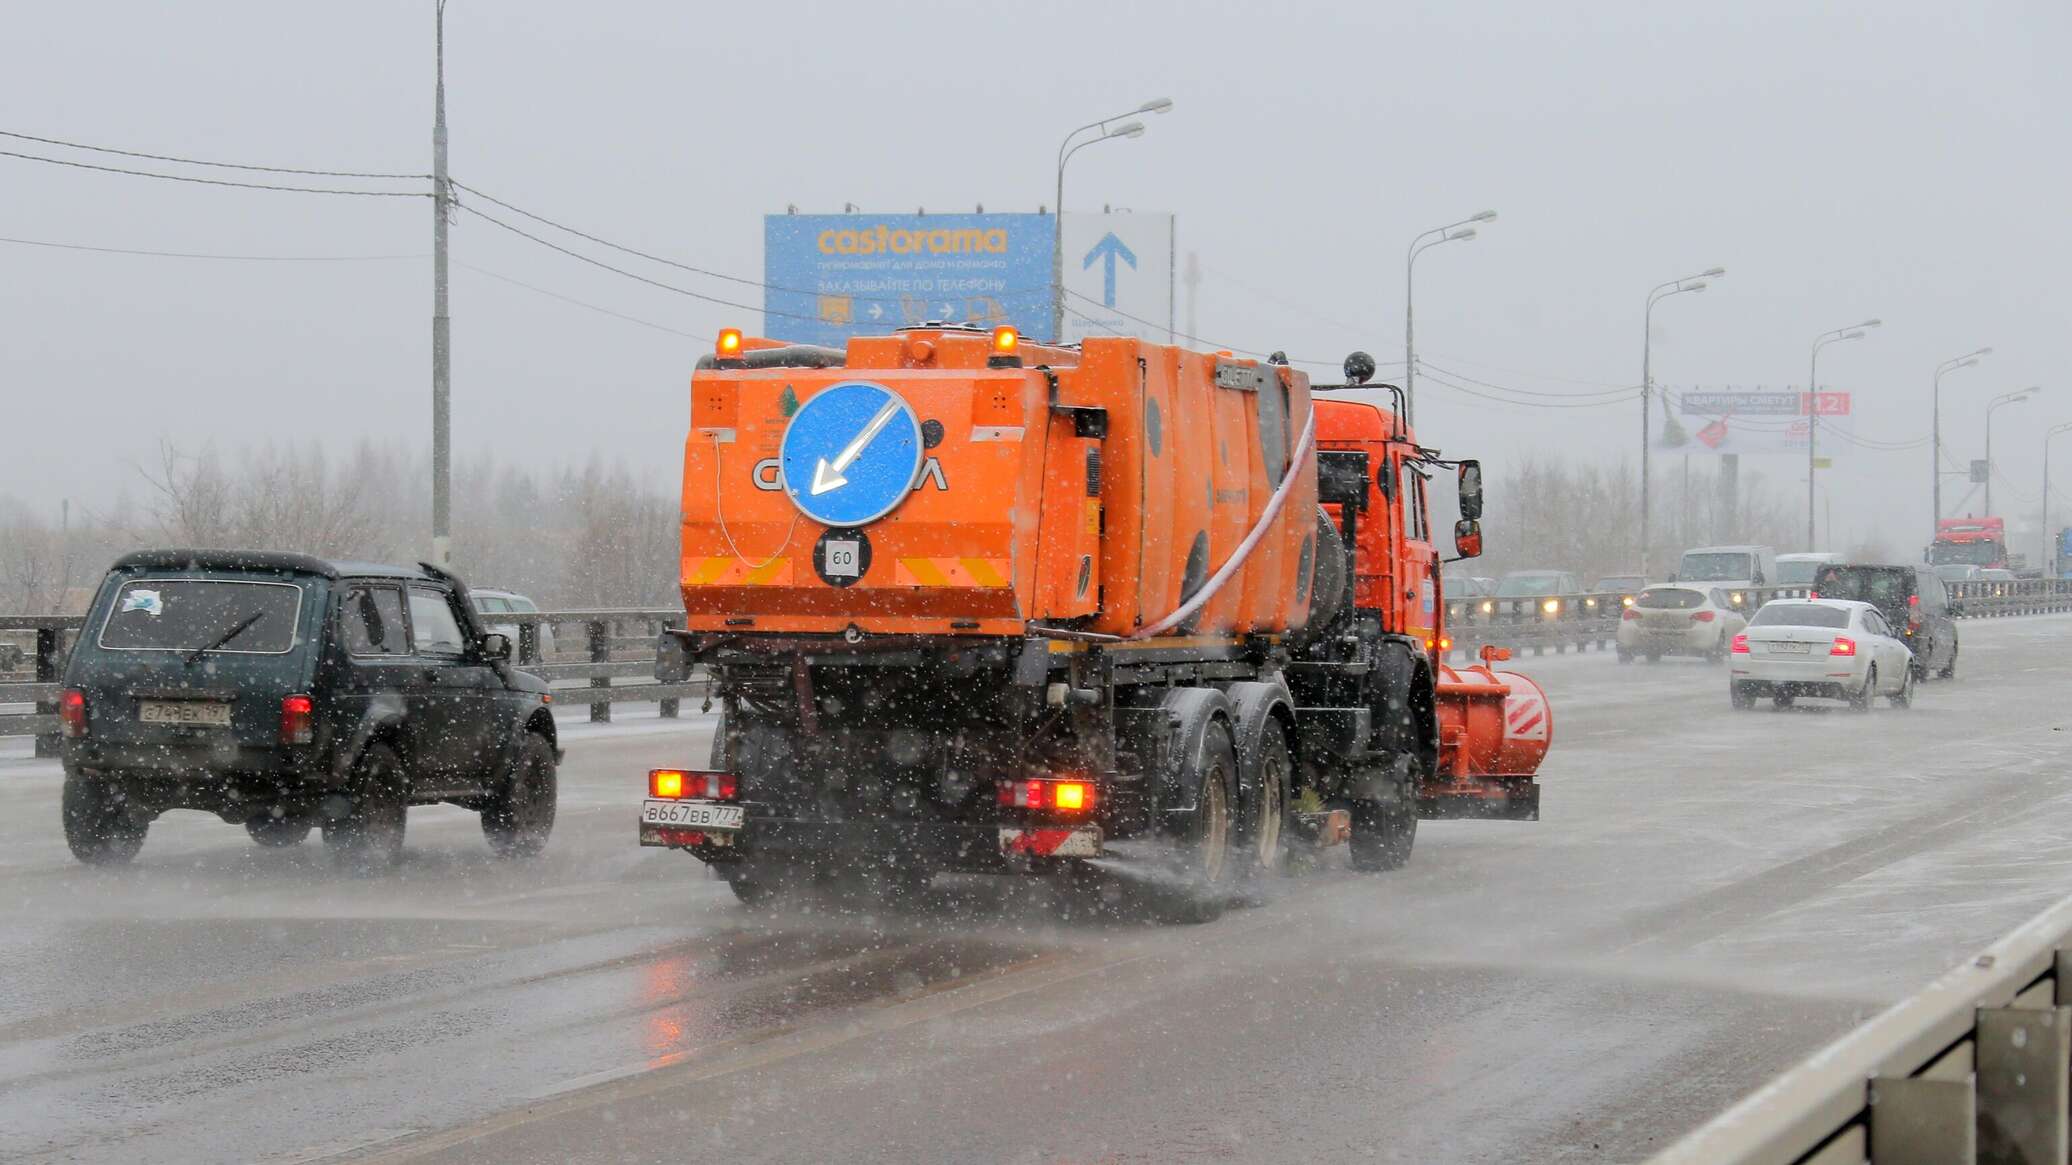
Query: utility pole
x=1193, y=290
x=442, y=344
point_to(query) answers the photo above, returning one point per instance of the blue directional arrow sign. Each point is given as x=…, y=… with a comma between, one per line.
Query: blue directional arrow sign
x=850, y=454
x=1108, y=250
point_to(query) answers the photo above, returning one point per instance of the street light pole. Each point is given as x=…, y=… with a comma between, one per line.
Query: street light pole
x=1066, y=149
x=1852, y=332
x=442, y=343
x=1647, y=387
x=2046, y=559
x=2004, y=399
x=1418, y=246
x=1935, y=442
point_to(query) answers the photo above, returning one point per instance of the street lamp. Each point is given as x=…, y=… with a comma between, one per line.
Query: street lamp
x=1066, y=148
x=1452, y=232
x=2055, y=568
x=2004, y=399
x=1852, y=332
x=1647, y=384
x=1935, y=444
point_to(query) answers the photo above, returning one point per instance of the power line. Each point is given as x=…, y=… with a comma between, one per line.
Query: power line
x=214, y=181
x=1532, y=373
x=580, y=303
x=1156, y=326
x=1622, y=392
x=1449, y=382
x=201, y=255
x=599, y=263
x=219, y=165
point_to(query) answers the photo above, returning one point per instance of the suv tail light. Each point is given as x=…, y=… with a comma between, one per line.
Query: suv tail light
x=1741, y=643
x=1058, y=796
x=1701, y=616
x=1630, y=615
x=72, y=711
x=1913, y=600
x=298, y=720
x=1843, y=646
x=683, y=784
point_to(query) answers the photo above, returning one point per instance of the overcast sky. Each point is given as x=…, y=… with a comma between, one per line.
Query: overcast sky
x=1903, y=160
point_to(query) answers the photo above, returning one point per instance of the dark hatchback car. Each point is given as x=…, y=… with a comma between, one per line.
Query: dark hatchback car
x=284, y=693
x=1912, y=600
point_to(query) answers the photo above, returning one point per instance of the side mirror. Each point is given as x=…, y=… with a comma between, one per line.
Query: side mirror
x=1471, y=491
x=1467, y=538
x=495, y=645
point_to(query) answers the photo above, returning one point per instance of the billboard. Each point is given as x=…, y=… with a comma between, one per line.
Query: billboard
x=1730, y=421
x=1118, y=275
x=831, y=276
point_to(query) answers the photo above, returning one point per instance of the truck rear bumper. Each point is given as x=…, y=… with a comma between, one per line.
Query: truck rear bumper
x=942, y=845
x=1482, y=798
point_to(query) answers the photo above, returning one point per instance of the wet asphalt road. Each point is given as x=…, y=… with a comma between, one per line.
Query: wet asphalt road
x=1710, y=897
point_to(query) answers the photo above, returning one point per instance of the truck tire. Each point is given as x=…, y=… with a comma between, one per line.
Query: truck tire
x=1204, y=862
x=1385, y=831
x=1265, y=835
x=517, y=818
x=278, y=832
x=99, y=829
x=369, y=838
x=1329, y=575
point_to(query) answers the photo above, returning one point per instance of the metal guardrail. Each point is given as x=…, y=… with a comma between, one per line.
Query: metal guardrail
x=611, y=654
x=1976, y=1068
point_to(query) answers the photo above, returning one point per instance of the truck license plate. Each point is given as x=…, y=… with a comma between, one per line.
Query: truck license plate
x=694, y=814
x=207, y=712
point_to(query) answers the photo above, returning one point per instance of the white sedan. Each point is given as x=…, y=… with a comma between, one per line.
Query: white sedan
x=1678, y=620
x=1839, y=649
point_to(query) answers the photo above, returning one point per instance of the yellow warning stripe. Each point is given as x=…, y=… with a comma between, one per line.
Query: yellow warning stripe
x=727, y=571
x=952, y=572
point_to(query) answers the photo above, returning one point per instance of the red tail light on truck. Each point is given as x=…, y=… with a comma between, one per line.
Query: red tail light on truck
x=1058, y=796
x=691, y=784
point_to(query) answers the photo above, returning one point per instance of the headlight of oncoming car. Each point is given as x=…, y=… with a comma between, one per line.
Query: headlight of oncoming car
x=1551, y=606
x=1735, y=598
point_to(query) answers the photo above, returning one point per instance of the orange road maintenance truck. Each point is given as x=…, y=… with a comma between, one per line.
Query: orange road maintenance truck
x=1110, y=610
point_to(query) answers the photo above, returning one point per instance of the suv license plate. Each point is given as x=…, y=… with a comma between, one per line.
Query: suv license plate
x=696, y=814
x=207, y=712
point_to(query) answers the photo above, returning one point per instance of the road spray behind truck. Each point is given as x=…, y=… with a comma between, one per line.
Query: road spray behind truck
x=975, y=604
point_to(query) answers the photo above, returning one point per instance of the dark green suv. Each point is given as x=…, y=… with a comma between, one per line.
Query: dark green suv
x=284, y=693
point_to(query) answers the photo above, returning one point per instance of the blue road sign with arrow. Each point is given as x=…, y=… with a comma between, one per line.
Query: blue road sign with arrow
x=1108, y=250
x=850, y=454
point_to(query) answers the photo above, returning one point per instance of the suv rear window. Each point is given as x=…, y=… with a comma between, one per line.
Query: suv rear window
x=1670, y=599
x=186, y=614
x=1800, y=615
x=1887, y=587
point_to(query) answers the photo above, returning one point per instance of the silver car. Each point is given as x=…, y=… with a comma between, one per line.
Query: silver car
x=1838, y=649
x=490, y=603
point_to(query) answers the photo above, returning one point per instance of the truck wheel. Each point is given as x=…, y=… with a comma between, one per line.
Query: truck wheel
x=1265, y=836
x=759, y=884
x=278, y=832
x=1382, y=835
x=1204, y=864
x=369, y=837
x=98, y=827
x=517, y=818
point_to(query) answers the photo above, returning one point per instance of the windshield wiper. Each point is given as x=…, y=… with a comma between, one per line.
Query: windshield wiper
x=194, y=657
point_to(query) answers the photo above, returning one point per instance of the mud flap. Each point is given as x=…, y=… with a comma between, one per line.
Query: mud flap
x=1019, y=845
